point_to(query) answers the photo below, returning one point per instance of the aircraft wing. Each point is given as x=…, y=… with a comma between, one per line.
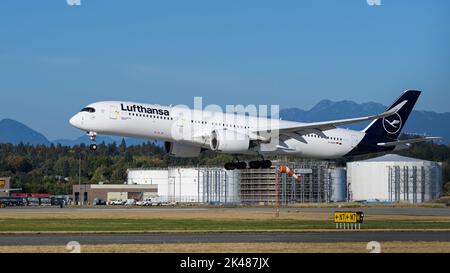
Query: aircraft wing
x=407, y=141
x=318, y=127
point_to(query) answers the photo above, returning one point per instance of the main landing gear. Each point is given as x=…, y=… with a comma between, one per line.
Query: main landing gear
x=93, y=137
x=240, y=165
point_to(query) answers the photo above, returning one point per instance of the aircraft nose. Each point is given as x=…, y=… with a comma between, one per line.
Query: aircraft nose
x=75, y=121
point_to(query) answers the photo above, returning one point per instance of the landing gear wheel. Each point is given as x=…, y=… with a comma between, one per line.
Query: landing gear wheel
x=93, y=147
x=254, y=164
x=266, y=164
x=230, y=166
x=241, y=165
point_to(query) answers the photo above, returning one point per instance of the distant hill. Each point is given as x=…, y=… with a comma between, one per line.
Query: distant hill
x=14, y=132
x=420, y=122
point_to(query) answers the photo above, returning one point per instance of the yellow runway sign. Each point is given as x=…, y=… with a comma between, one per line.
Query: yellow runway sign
x=2, y=183
x=348, y=217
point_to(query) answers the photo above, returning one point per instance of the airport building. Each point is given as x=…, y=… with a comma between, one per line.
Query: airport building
x=320, y=181
x=4, y=186
x=190, y=185
x=89, y=194
x=394, y=178
x=390, y=178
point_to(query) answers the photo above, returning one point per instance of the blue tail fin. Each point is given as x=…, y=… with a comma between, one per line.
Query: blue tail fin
x=389, y=128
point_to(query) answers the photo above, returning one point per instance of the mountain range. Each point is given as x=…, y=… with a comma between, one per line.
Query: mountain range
x=420, y=122
x=15, y=132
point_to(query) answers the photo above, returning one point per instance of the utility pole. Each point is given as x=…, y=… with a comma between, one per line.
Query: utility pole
x=179, y=173
x=79, y=179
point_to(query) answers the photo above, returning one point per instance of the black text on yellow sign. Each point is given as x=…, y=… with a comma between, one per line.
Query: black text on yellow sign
x=2, y=183
x=348, y=217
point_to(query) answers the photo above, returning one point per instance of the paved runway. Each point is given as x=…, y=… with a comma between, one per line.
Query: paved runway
x=411, y=211
x=157, y=238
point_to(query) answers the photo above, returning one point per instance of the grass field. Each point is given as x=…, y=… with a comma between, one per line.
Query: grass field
x=171, y=225
x=386, y=247
x=206, y=214
x=197, y=220
x=211, y=220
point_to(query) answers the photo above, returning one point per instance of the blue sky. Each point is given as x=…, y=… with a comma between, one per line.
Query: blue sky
x=56, y=58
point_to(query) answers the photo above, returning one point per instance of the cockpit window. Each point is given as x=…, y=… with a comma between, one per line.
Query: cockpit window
x=88, y=109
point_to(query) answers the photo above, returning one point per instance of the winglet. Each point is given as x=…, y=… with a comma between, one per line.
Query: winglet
x=394, y=109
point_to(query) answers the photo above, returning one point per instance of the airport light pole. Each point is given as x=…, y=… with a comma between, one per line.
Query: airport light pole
x=79, y=179
x=179, y=173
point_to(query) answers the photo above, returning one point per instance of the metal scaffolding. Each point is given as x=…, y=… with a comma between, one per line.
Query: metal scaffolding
x=259, y=186
x=217, y=186
x=413, y=184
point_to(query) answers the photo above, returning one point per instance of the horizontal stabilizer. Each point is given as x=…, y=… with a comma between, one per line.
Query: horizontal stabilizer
x=407, y=141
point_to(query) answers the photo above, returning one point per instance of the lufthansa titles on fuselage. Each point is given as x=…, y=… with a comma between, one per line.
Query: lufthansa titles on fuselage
x=145, y=110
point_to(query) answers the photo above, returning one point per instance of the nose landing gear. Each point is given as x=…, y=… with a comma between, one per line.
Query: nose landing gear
x=93, y=137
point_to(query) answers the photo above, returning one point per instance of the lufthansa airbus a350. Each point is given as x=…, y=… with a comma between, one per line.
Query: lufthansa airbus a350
x=188, y=132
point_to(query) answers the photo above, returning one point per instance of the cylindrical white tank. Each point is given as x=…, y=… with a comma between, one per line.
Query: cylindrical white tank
x=338, y=182
x=394, y=178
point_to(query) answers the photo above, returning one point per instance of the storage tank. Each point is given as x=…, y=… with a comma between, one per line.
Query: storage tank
x=338, y=178
x=394, y=178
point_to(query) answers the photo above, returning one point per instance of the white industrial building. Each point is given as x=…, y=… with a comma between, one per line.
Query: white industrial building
x=394, y=178
x=190, y=185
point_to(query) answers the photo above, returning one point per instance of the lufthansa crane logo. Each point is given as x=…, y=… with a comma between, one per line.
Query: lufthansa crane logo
x=392, y=124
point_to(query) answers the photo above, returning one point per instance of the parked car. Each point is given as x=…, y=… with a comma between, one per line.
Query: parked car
x=12, y=201
x=99, y=202
x=130, y=202
x=145, y=202
x=45, y=201
x=117, y=202
x=33, y=201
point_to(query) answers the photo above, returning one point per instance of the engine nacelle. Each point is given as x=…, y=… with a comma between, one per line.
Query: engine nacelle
x=229, y=141
x=181, y=150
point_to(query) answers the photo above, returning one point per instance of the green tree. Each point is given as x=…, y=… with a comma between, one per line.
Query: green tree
x=17, y=163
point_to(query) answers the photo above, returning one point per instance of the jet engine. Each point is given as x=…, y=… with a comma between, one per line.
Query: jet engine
x=229, y=141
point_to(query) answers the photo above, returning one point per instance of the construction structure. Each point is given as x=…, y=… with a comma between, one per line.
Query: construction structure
x=394, y=178
x=210, y=185
x=269, y=186
x=4, y=186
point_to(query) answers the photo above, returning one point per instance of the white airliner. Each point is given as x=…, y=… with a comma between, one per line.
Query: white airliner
x=187, y=133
